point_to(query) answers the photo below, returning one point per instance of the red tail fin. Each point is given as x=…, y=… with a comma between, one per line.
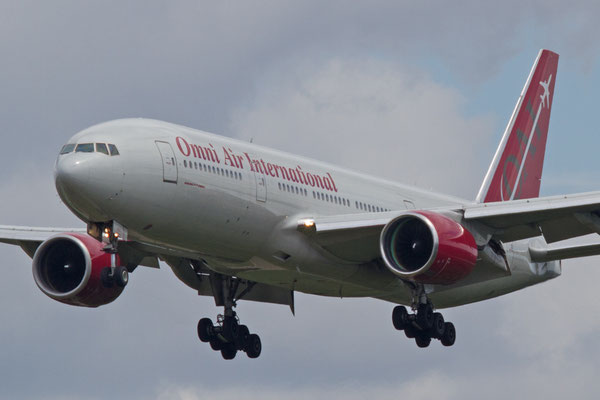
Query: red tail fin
x=516, y=171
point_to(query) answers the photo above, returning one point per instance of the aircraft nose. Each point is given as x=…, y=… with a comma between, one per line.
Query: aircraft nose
x=71, y=172
x=86, y=182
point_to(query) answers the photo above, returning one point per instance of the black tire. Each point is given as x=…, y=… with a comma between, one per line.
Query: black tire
x=399, y=317
x=230, y=329
x=242, y=337
x=423, y=340
x=121, y=276
x=449, y=336
x=425, y=316
x=216, y=344
x=437, y=330
x=410, y=331
x=253, y=346
x=228, y=351
x=105, y=278
x=205, y=330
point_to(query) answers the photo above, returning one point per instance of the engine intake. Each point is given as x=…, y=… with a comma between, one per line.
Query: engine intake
x=67, y=268
x=427, y=247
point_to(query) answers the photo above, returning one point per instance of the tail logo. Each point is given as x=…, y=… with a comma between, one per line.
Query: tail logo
x=546, y=95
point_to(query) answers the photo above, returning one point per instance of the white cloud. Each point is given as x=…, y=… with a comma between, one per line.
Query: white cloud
x=432, y=385
x=372, y=116
x=557, y=320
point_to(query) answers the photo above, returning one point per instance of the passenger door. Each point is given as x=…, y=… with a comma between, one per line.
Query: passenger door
x=168, y=161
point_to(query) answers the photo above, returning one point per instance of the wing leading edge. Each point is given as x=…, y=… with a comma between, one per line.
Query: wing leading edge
x=355, y=238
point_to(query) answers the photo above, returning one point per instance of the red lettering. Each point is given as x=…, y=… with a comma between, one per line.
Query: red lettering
x=249, y=162
x=332, y=182
x=179, y=140
x=270, y=169
x=318, y=182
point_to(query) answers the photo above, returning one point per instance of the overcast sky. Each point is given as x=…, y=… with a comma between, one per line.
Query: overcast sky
x=415, y=91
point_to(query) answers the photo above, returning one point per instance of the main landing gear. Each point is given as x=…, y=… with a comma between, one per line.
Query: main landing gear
x=228, y=336
x=424, y=325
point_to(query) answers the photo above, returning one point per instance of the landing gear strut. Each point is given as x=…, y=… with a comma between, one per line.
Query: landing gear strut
x=424, y=325
x=113, y=274
x=228, y=336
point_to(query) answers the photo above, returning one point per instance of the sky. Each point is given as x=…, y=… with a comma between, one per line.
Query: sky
x=414, y=91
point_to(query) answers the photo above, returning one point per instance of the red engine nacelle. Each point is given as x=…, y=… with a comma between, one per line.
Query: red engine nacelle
x=67, y=267
x=427, y=247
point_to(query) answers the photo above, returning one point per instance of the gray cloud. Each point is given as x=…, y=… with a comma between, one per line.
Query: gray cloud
x=292, y=75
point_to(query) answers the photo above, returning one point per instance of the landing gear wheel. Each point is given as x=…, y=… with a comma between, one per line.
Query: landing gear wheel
x=242, y=337
x=105, y=278
x=121, y=276
x=437, y=330
x=399, y=317
x=423, y=340
x=216, y=344
x=449, y=336
x=230, y=329
x=228, y=351
x=410, y=331
x=205, y=330
x=425, y=316
x=253, y=346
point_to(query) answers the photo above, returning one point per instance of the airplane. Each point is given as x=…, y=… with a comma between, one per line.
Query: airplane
x=238, y=221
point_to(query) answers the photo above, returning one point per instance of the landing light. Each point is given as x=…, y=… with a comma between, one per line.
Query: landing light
x=306, y=223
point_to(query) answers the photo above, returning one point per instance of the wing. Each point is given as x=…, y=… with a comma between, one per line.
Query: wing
x=185, y=265
x=556, y=218
x=29, y=238
x=355, y=238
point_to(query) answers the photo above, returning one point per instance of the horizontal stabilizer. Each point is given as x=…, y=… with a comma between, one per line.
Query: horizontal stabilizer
x=539, y=254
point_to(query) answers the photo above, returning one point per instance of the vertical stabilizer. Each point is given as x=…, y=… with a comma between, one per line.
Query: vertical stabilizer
x=516, y=171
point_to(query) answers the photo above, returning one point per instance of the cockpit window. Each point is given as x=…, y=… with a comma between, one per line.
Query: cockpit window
x=101, y=148
x=85, y=148
x=113, y=150
x=67, y=148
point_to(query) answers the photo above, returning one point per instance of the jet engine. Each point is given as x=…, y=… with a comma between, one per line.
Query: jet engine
x=69, y=267
x=427, y=247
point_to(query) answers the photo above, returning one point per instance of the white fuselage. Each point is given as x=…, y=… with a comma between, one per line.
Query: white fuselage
x=236, y=205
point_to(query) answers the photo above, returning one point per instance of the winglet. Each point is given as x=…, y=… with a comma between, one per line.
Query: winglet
x=516, y=170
